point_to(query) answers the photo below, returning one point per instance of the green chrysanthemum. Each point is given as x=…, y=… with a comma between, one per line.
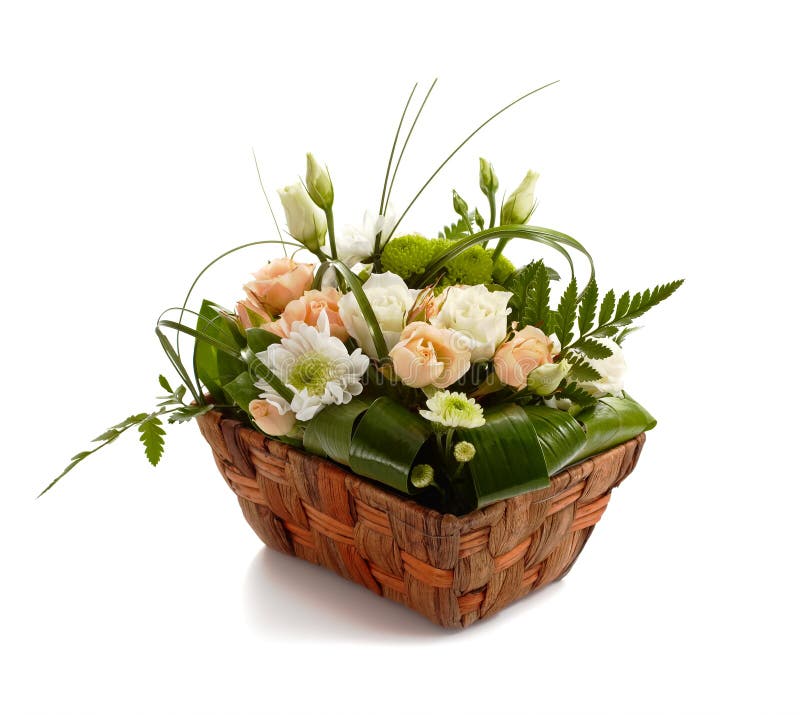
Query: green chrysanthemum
x=453, y=409
x=410, y=256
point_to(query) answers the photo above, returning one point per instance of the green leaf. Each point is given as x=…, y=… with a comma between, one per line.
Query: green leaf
x=580, y=369
x=241, y=391
x=330, y=433
x=537, y=304
x=622, y=305
x=588, y=308
x=456, y=230
x=560, y=435
x=572, y=391
x=258, y=339
x=152, y=436
x=593, y=349
x=509, y=459
x=612, y=421
x=567, y=313
x=606, y=308
x=386, y=443
x=164, y=383
x=188, y=413
x=216, y=353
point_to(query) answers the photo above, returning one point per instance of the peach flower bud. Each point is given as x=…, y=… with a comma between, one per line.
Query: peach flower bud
x=252, y=315
x=272, y=416
x=307, y=308
x=516, y=359
x=278, y=283
x=430, y=356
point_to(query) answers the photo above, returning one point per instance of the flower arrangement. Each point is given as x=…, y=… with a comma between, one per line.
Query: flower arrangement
x=432, y=365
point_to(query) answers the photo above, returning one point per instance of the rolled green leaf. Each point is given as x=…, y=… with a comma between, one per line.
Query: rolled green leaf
x=330, y=433
x=509, y=459
x=560, y=435
x=386, y=443
x=258, y=339
x=612, y=421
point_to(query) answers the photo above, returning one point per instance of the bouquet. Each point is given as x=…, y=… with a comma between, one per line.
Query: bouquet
x=431, y=365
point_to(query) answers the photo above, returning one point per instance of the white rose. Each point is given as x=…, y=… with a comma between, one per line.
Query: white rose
x=612, y=371
x=391, y=301
x=477, y=313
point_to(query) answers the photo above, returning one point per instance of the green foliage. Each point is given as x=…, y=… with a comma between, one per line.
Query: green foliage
x=459, y=229
x=536, y=309
x=628, y=308
x=588, y=307
x=564, y=318
x=573, y=392
x=152, y=436
x=503, y=270
x=409, y=256
x=580, y=369
x=188, y=413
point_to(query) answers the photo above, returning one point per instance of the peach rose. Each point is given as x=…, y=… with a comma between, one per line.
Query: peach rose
x=430, y=356
x=277, y=284
x=272, y=416
x=522, y=354
x=307, y=308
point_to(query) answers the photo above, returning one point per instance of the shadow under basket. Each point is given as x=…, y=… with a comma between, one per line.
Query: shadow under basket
x=454, y=570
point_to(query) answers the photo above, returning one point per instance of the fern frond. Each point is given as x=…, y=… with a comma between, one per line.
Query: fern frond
x=572, y=391
x=606, y=308
x=580, y=369
x=536, y=310
x=152, y=436
x=588, y=307
x=567, y=313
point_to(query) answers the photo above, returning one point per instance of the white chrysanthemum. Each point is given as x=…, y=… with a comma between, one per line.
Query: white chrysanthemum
x=358, y=242
x=453, y=409
x=316, y=367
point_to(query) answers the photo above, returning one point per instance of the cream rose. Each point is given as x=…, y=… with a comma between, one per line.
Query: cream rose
x=391, y=300
x=478, y=313
x=522, y=354
x=272, y=416
x=275, y=286
x=612, y=371
x=306, y=309
x=430, y=356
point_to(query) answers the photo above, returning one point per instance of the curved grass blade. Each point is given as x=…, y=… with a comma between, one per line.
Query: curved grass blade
x=458, y=148
x=394, y=146
x=546, y=236
x=363, y=303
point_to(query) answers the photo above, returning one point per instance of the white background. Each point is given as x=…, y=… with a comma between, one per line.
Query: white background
x=670, y=148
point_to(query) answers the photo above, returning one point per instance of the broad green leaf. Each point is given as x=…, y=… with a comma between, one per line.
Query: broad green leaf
x=215, y=358
x=386, y=443
x=241, y=391
x=330, y=433
x=508, y=456
x=259, y=339
x=560, y=435
x=612, y=421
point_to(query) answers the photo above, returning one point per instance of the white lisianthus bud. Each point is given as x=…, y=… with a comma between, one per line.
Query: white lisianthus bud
x=306, y=222
x=488, y=179
x=546, y=378
x=318, y=183
x=519, y=206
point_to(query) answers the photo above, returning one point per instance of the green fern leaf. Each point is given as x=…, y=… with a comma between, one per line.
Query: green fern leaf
x=580, y=369
x=567, y=313
x=622, y=305
x=593, y=349
x=536, y=310
x=152, y=436
x=588, y=308
x=606, y=308
x=576, y=394
x=457, y=230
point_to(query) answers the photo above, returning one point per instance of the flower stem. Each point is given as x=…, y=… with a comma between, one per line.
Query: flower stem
x=329, y=220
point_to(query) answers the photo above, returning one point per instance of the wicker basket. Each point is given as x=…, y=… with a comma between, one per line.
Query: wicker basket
x=453, y=570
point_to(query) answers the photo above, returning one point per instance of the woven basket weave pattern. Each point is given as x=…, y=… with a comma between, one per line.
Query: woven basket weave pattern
x=454, y=570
